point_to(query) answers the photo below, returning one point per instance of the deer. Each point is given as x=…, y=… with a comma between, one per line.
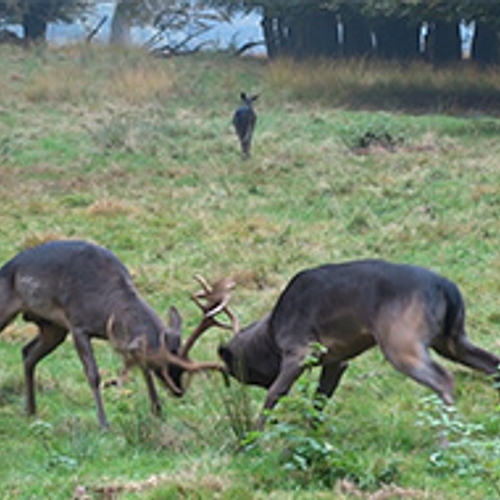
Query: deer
x=346, y=309
x=244, y=120
x=76, y=286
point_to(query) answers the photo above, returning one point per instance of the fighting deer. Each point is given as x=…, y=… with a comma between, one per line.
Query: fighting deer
x=347, y=308
x=79, y=287
x=244, y=120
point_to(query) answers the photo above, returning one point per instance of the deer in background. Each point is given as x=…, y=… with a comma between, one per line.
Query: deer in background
x=79, y=287
x=348, y=308
x=244, y=120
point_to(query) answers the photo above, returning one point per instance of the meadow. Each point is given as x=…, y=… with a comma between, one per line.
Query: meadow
x=350, y=160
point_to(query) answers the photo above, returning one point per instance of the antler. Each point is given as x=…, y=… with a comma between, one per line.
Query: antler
x=158, y=358
x=137, y=353
x=212, y=300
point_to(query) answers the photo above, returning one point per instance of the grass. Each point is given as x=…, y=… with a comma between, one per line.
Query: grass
x=138, y=154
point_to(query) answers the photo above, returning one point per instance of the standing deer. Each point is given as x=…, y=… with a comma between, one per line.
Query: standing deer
x=77, y=286
x=348, y=308
x=244, y=120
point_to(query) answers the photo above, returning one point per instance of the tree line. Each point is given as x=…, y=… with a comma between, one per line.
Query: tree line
x=386, y=29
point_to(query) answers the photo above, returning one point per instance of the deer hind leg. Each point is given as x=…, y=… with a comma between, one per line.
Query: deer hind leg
x=85, y=352
x=462, y=350
x=328, y=382
x=414, y=360
x=48, y=339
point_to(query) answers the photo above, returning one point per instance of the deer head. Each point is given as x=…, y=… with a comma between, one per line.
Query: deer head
x=170, y=360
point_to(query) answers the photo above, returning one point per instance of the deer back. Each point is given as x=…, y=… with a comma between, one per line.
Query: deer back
x=76, y=284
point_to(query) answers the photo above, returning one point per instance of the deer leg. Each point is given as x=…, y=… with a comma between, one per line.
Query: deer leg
x=463, y=351
x=414, y=360
x=10, y=304
x=291, y=369
x=84, y=349
x=328, y=382
x=153, y=395
x=48, y=339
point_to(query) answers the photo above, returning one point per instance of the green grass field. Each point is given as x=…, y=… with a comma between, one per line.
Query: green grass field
x=350, y=160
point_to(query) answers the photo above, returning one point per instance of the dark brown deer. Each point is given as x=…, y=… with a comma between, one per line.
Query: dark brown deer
x=79, y=287
x=244, y=120
x=348, y=308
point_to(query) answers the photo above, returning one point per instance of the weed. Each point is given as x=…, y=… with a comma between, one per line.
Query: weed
x=304, y=442
x=43, y=432
x=464, y=448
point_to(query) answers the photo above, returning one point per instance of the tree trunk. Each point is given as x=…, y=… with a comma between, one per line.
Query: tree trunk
x=485, y=45
x=267, y=24
x=397, y=38
x=357, y=36
x=310, y=33
x=446, y=44
x=120, y=26
x=322, y=34
x=276, y=34
x=34, y=26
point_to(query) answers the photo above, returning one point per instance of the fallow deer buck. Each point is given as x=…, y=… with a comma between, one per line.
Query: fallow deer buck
x=348, y=308
x=244, y=120
x=79, y=287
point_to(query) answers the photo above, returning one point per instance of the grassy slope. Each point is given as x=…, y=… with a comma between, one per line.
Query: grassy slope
x=138, y=154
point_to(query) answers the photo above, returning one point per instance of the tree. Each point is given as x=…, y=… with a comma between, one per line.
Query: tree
x=177, y=22
x=486, y=41
x=121, y=23
x=293, y=27
x=34, y=15
x=397, y=37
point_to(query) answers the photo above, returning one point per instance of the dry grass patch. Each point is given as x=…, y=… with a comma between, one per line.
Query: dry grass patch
x=137, y=85
x=79, y=75
x=178, y=485
x=109, y=207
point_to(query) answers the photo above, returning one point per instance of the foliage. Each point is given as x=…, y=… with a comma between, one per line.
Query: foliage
x=177, y=23
x=301, y=440
x=465, y=448
x=12, y=11
x=421, y=9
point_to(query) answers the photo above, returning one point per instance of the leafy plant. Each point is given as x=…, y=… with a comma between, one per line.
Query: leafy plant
x=307, y=446
x=43, y=432
x=464, y=448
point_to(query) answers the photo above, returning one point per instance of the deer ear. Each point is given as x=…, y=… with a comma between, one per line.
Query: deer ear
x=174, y=320
x=254, y=97
x=243, y=96
x=173, y=333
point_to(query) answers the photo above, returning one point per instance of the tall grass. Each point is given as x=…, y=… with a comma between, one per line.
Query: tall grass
x=138, y=154
x=403, y=87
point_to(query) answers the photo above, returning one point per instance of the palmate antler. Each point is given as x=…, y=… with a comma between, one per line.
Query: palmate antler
x=213, y=299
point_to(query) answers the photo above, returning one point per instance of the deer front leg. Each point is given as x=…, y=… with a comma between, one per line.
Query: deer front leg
x=291, y=369
x=48, y=339
x=84, y=349
x=152, y=393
